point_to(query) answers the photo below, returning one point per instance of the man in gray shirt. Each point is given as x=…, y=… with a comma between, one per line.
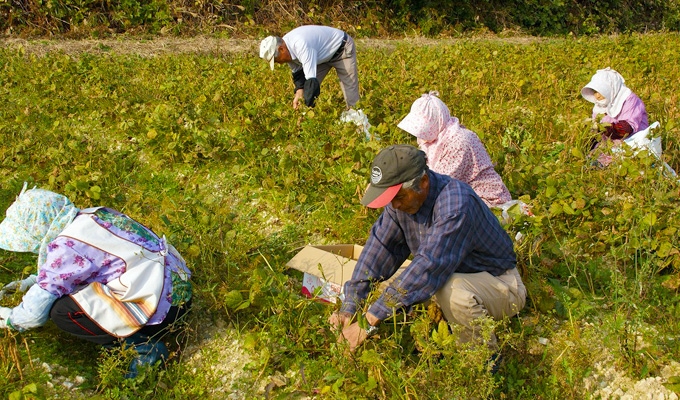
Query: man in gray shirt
x=311, y=51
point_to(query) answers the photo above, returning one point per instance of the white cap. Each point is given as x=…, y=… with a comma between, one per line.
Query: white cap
x=268, y=50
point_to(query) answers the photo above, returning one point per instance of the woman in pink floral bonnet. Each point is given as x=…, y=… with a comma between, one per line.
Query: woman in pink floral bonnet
x=454, y=150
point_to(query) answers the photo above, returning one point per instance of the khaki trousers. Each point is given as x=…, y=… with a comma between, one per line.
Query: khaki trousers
x=466, y=297
x=346, y=67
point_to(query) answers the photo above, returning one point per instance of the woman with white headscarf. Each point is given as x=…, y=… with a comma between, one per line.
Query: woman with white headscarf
x=454, y=150
x=623, y=112
x=102, y=276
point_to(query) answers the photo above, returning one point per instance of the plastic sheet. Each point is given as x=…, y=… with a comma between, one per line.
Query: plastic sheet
x=641, y=141
x=358, y=118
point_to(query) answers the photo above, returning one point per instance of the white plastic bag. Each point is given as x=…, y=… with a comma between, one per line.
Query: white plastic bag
x=641, y=141
x=524, y=209
x=358, y=118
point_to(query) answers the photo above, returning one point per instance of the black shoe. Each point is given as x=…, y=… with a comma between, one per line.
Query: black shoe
x=495, y=362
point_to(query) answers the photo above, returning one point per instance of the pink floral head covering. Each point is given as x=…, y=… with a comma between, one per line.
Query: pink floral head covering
x=428, y=117
x=35, y=219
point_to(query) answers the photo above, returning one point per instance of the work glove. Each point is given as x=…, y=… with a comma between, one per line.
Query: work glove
x=618, y=130
x=4, y=317
x=21, y=285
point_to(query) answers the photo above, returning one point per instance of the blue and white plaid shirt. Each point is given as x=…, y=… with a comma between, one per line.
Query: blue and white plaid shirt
x=453, y=231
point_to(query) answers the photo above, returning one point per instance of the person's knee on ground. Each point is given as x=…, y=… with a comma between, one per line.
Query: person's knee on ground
x=466, y=298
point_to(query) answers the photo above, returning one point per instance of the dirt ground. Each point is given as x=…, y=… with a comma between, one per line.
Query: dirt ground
x=142, y=47
x=199, y=44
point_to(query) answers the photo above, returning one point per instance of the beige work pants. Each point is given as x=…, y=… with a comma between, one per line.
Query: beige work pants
x=346, y=67
x=466, y=297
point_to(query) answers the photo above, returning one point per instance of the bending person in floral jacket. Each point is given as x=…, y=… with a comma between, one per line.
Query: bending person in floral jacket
x=454, y=150
x=102, y=276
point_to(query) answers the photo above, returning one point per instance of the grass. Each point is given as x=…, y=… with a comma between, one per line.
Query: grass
x=206, y=149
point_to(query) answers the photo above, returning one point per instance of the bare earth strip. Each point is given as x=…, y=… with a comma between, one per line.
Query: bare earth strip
x=200, y=44
x=148, y=48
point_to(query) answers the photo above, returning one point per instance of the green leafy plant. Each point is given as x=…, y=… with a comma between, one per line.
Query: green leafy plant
x=238, y=181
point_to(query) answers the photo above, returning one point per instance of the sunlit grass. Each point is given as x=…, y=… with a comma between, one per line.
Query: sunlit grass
x=207, y=151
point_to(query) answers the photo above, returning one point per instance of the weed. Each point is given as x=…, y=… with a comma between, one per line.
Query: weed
x=237, y=180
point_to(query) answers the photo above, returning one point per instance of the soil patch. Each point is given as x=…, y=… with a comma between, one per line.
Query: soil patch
x=198, y=45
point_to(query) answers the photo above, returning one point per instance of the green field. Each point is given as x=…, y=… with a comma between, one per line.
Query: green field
x=205, y=148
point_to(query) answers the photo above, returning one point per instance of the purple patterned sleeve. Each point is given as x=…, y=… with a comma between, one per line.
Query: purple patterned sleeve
x=71, y=263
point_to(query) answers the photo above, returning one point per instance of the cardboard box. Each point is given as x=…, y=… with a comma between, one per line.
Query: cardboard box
x=327, y=268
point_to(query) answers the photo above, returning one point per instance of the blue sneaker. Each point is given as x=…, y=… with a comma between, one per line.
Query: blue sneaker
x=149, y=352
x=495, y=362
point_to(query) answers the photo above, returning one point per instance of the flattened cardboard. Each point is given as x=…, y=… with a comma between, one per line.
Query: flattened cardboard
x=329, y=267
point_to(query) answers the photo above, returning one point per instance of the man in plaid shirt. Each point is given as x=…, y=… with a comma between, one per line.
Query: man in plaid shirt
x=461, y=254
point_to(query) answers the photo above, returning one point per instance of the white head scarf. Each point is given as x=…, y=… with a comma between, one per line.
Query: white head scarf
x=35, y=219
x=611, y=85
x=428, y=117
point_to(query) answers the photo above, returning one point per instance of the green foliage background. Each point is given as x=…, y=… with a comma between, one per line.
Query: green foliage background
x=207, y=150
x=78, y=18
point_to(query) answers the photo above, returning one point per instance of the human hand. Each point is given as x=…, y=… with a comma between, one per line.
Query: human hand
x=299, y=94
x=340, y=320
x=4, y=317
x=354, y=335
x=21, y=285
